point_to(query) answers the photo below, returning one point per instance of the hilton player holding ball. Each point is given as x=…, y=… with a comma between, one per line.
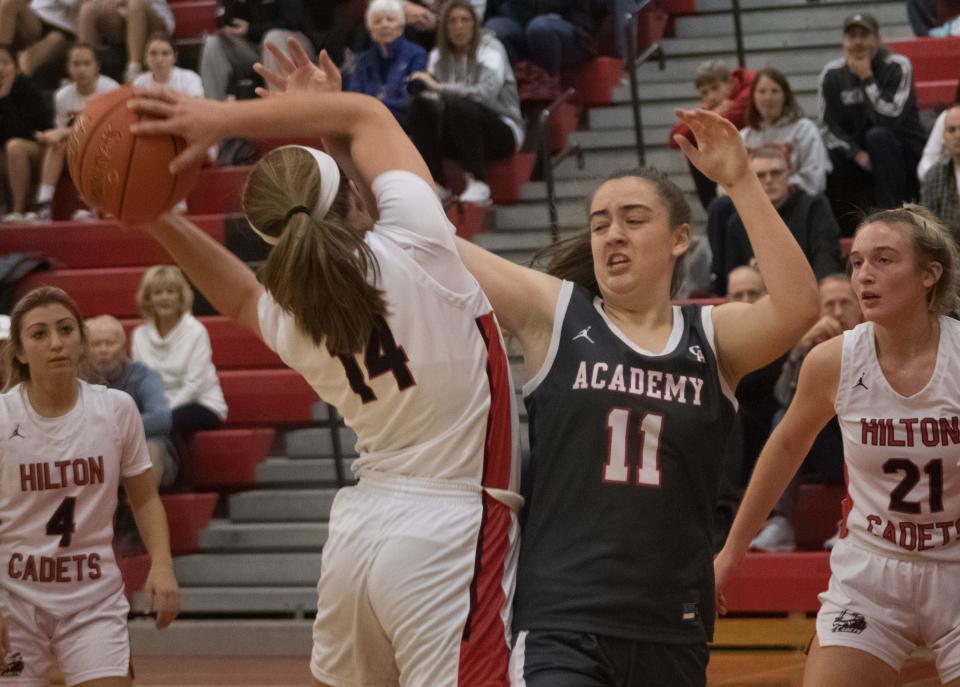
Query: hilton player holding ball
x=65, y=447
x=893, y=384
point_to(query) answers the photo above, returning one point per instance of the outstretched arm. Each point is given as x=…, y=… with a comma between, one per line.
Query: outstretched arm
x=223, y=279
x=750, y=336
x=375, y=141
x=789, y=444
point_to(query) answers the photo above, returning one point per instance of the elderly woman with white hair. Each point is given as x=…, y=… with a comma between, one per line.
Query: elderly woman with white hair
x=383, y=70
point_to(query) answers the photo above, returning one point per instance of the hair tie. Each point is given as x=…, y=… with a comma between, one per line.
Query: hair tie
x=329, y=186
x=294, y=210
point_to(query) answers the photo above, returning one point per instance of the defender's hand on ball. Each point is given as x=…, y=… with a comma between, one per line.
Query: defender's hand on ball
x=196, y=120
x=719, y=152
x=297, y=74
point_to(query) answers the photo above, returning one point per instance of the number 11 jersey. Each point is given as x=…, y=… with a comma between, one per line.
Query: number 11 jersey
x=58, y=493
x=901, y=453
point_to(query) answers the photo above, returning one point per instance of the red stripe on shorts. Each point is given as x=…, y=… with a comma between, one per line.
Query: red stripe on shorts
x=484, y=653
x=498, y=450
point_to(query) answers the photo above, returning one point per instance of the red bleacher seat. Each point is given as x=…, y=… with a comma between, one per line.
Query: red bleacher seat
x=96, y=244
x=596, y=79
x=932, y=94
x=226, y=457
x=563, y=123
x=134, y=570
x=109, y=290
x=506, y=177
x=194, y=18
x=218, y=191
x=778, y=583
x=187, y=514
x=933, y=59
x=468, y=218
x=234, y=347
x=817, y=514
x=264, y=397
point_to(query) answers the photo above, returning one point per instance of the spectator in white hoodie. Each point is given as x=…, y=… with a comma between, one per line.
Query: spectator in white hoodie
x=175, y=344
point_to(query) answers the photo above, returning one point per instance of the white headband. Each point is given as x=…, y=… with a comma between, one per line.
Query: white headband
x=329, y=185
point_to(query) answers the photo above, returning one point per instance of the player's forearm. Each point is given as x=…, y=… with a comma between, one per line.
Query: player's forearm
x=152, y=524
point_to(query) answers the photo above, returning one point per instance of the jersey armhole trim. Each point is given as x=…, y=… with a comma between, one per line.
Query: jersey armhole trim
x=563, y=302
x=847, y=354
x=706, y=319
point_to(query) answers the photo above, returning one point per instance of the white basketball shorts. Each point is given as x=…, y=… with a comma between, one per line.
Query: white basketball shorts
x=415, y=587
x=91, y=644
x=887, y=607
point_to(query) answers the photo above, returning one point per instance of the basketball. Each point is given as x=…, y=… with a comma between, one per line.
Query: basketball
x=120, y=174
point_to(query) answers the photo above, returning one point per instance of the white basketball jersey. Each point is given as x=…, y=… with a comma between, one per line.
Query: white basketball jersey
x=903, y=478
x=58, y=493
x=431, y=395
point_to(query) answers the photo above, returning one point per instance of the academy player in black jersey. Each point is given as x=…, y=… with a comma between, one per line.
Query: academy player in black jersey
x=630, y=400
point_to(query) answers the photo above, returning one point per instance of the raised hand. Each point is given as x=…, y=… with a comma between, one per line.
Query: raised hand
x=719, y=152
x=297, y=74
x=197, y=120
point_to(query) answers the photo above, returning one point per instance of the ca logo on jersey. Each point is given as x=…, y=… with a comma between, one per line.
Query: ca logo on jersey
x=698, y=354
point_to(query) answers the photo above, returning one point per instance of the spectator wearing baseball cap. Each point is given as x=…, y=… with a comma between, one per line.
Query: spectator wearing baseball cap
x=871, y=125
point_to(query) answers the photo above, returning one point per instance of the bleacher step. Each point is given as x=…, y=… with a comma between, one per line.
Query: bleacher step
x=235, y=537
x=317, y=442
x=222, y=638
x=247, y=569
x=292, y=601
x=663, y=114
x=282, y=505
x=827, y=20
x=676, y=91
x=303, y=471
x=805, y=39
x=814, y=5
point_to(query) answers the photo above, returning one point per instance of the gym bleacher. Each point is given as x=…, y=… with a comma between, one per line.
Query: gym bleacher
x=248, y=519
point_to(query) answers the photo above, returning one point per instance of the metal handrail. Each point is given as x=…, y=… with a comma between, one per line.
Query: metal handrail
x=633, y=61
x=738, y=34
x=550, y=163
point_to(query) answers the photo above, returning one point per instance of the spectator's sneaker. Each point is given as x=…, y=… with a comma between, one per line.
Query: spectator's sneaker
x=831, y=542
x=776, y=537
x=12, y=218
x=477, y=192
x=84, y=215
x=180, y=208
x=134, y=69
x=40, y=215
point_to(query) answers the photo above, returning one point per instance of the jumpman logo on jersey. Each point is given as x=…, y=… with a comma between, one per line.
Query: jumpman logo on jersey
x=16, y=432
x=860, y=383
x=585, y=334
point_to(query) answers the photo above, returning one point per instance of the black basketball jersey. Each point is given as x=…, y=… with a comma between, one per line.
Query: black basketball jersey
x=625, y=455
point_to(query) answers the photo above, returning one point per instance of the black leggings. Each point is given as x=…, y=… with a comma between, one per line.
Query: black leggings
x=460, y=129
x=188, y=419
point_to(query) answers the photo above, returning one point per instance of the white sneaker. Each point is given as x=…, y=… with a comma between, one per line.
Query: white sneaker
x=180, y=208
x=476, y=192
x=84, y=215
x=776, y=537
x=41, y=215
x=12, y=218
x=133, y=70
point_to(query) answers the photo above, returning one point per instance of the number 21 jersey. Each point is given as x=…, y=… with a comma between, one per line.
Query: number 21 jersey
x=901, y=453
x=58, y=493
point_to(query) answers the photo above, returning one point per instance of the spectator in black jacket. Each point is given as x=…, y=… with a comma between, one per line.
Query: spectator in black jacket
x=23, y=114
x=807, y=216
x=871, y=125
x=550, y=33
x=247, y=26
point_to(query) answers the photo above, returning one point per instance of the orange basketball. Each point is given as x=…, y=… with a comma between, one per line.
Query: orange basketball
x=120, y=174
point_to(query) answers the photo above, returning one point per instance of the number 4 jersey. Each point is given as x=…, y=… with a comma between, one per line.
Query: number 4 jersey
x=901, y=453
x=430, y=395
x=58, y=495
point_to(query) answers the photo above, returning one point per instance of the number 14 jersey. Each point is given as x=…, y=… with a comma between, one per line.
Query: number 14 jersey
x=901, y=453
x=58, y=493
